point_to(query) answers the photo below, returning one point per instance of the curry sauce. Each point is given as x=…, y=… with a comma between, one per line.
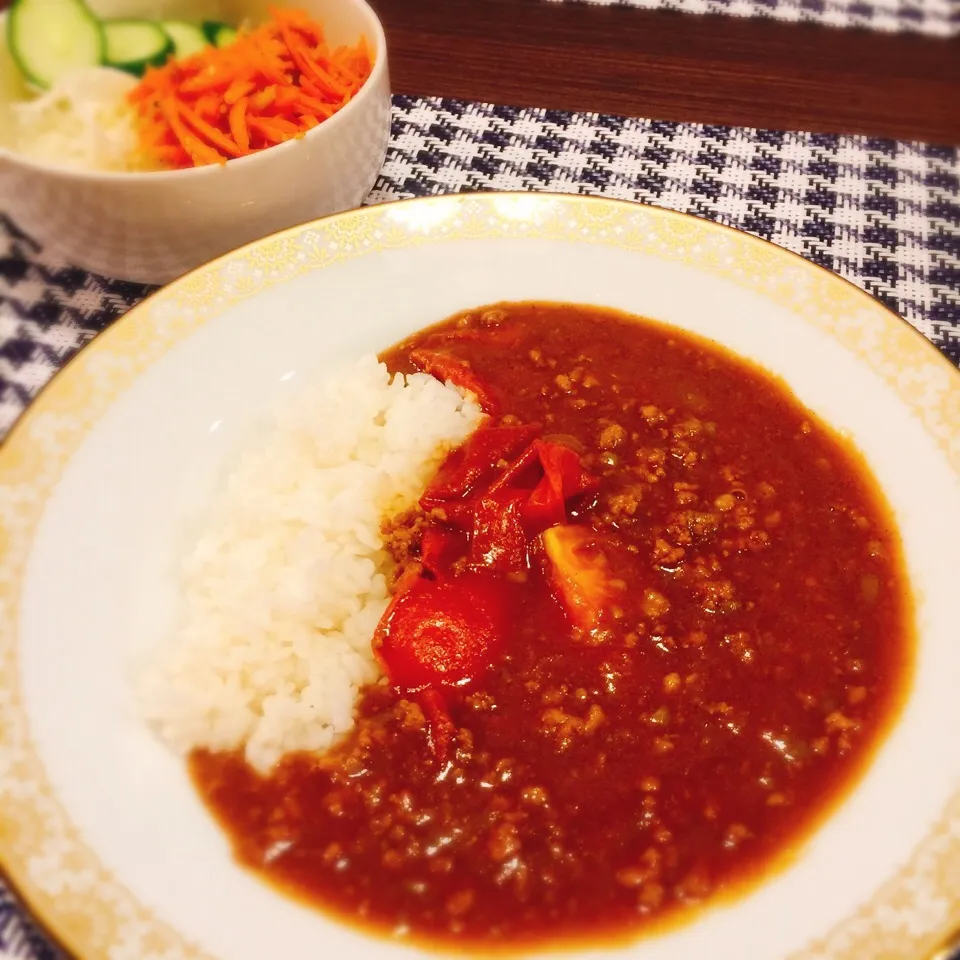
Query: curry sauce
x=654, y=726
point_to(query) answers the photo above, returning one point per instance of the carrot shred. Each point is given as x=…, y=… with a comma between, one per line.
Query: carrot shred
x=238, y=124
x=274, y=83
x=209, y=106
x=219, y=141
x=264, y=99
x=201, y=153
x=174, y=156
x=269, y=60
x=299, y=20
x=274, y=129
x=238, y=89
x=295, y=100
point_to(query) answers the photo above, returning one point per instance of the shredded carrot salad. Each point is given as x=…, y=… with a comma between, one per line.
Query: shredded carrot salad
x=271, y=84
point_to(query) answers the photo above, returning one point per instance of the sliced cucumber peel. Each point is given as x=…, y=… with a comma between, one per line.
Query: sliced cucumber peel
x=134, y=45
x=219, y=34
x=187, y=38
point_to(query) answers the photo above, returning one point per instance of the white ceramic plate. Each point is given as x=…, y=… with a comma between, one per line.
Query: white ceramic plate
x=99, y=827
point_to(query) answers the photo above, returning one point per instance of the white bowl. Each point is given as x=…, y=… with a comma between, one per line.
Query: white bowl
x=152, y=227
x=100, y=480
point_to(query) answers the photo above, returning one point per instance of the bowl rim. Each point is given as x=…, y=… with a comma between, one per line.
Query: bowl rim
x=329, y=125
x=18, y=886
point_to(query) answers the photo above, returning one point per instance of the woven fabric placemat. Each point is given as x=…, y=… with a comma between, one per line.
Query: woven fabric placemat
x=882, y=213
x=937, y=18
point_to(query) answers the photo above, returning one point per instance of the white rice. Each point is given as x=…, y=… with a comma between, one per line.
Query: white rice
x=283, y=591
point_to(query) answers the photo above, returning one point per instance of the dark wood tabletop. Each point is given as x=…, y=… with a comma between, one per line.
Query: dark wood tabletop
x=675, y=66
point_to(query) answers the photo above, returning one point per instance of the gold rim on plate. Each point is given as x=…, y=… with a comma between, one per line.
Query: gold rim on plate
x=86, y=908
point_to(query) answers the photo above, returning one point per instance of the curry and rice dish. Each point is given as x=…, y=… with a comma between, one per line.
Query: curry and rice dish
x=572, y=621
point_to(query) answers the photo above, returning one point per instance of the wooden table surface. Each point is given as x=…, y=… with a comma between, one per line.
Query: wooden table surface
x=675, y=66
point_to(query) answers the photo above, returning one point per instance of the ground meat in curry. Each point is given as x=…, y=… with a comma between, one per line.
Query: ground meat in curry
x=606, y=773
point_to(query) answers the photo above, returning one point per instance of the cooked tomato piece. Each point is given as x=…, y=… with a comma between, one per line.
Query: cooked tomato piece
x=440, y=548
x=563, y=479
x=475, y=461
x=579, y=573
x=448, y=368
x=442, y=633
x=498, y=540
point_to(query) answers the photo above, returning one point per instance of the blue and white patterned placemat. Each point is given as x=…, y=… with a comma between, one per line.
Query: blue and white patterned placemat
x=881, y=213
x=938, y=18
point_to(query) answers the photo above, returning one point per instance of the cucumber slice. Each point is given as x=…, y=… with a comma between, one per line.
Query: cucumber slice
x=47, y=38
x=219, y=34
x=225, y=36
x=134, y=45
x=187, y=38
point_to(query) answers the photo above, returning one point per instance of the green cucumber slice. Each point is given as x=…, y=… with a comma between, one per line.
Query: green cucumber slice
x=134, y=45
x=187, y=38
x=225, y=35
x=47, y=38
x=219, y=34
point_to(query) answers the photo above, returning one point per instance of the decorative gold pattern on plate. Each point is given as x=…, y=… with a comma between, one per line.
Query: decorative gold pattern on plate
x=90, y=910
